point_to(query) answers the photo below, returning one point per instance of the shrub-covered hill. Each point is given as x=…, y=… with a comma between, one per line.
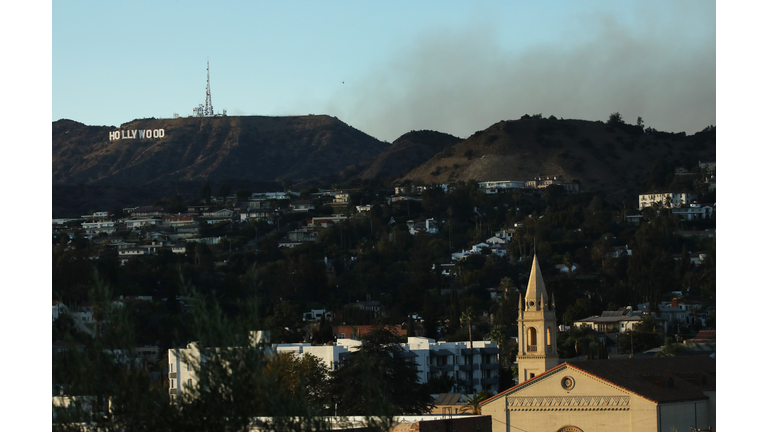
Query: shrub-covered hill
x=612, y=157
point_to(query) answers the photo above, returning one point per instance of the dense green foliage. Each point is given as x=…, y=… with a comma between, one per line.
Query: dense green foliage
x=247, y=283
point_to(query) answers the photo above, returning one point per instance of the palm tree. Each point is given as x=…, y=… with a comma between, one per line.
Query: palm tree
x=473, y=403
x=466, y=318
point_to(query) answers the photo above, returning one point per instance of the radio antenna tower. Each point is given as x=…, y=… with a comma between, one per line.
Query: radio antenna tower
x=208, y=110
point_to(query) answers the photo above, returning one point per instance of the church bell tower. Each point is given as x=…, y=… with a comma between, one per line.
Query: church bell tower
x=536, y=328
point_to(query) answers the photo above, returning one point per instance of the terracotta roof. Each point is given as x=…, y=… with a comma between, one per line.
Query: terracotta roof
x=646, y=377
x=706, y=334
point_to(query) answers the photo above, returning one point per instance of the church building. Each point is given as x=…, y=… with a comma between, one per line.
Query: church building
x=633, y=395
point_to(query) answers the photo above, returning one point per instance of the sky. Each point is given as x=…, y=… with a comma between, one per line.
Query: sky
x=387, y=68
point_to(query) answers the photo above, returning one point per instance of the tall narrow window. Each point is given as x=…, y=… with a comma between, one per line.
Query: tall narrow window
x=549, y=339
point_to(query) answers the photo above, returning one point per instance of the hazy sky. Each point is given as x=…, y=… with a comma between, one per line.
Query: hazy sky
x=388, y=67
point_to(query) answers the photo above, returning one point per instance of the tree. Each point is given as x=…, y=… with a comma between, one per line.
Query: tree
x=237, y=384
x=205, y=193
x=304, y=376
x=242, y=194
x=466, y=318
x=224, y=190
x=640, y=121
x=473, y=403
x=615, y=119
x=376, y=380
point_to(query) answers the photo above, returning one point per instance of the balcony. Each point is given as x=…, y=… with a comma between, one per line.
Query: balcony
x=489, y=381
x=489, y=366
x=467, y=367
x=443, y=368
x=467, y=382
x=531, y=348
x=173, y=391
x=172, y=375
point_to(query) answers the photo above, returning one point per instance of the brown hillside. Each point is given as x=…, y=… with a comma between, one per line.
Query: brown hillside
x=251, y=148
x=615, y=158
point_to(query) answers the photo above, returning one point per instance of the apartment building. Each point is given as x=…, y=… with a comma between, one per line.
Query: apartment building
x=474, y=369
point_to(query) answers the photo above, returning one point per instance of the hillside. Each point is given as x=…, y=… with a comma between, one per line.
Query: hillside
x=208, y=149
x=615, y=158
x=413, y=148
x=408, y=151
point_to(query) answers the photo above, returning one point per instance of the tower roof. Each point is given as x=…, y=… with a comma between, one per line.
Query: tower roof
x=536, y=288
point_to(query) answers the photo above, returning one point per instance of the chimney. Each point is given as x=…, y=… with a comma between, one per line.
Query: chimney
x=674, y=302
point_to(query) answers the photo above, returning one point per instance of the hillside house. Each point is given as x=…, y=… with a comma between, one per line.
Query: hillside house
x=611, y=322
x=326, y=221
x=371, y=306
x=97, y=216
x=317, y=315
x=262, y=196
x=179, y=219
x=145, y=212
x=303, y=234
x=198, y=209
x=544, y=182
x=505, y=234
x=301, y=206
x=666, y=199
x=619, y=251
x=428, y=226
x=258, y=214
x=98, y=227
x=134, y=224
x=290, y=244
x=694, y=211
x=494, y=187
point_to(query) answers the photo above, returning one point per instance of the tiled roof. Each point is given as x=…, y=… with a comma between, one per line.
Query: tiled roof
x=646, y=377
x=450, y=399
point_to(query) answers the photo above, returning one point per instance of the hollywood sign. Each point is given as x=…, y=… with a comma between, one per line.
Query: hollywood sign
x=134, y=134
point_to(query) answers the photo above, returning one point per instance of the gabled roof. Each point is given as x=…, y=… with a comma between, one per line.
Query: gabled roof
x=645, y=377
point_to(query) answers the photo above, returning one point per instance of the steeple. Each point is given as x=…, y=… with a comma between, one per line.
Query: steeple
x=537, y=328
x=536, y=295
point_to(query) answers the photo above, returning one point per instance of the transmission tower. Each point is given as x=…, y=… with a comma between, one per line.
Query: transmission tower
x=208, y=110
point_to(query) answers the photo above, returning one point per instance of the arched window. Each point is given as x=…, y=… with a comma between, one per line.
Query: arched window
x=531, y=339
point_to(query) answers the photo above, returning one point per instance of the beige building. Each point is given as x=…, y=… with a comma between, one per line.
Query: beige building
x=638, y=395
x=633, y=395
x=536, y=328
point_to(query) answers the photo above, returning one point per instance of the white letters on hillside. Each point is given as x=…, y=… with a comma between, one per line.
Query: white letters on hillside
x=133, y=134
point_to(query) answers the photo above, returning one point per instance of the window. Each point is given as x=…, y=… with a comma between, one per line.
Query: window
x=171, y=367
x=531, y=339
x=171, y=383
x=187, y=366
x=189, y=383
